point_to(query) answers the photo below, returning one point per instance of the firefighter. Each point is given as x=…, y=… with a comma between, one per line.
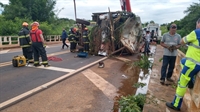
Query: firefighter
x=72, y=39
x=190, y=66
x=38, y=45
x=25, y=42
x=85, y=40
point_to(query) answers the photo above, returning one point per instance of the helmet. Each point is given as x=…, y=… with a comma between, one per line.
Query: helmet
x=73, y=30
x=35, y=24
x=24, y=24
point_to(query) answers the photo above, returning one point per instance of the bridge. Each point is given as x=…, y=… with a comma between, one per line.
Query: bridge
x=76, y=84
x=13, y=41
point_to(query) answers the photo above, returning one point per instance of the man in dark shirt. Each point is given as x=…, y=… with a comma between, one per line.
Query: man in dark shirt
x=64, y=37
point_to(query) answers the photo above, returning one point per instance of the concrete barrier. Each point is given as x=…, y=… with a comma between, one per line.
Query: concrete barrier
x=192, y=96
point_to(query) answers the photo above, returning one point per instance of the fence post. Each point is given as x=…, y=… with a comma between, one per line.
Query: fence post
x=5, y=39
x=0, y=41
x=10, y=40
x=18, y=41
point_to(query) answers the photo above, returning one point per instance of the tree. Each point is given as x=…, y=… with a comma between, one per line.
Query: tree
x=188, y=23
x=41, y=10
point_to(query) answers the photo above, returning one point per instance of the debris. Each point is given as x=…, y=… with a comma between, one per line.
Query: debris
x=101, y=64
x=53, y=58
x=124, y=76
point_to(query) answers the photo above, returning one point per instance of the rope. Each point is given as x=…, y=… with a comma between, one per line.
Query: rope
x=53, y=58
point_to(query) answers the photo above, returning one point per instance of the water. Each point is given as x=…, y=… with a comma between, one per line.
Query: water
x=133, y=75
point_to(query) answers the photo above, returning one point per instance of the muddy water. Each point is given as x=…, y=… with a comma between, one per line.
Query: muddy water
x=131, y=75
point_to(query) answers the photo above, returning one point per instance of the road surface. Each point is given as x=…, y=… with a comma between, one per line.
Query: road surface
x=15, y=81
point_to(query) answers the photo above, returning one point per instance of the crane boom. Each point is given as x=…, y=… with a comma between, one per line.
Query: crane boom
x=125, y=5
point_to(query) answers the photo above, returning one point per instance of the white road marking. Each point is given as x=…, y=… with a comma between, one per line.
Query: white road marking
x=4, y=51
x=108, y=89
x=53, y=68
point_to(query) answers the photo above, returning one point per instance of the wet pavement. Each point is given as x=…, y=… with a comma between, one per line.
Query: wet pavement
x=157, y=94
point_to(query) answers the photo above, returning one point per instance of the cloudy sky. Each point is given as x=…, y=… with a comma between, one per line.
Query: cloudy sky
x=161, y=11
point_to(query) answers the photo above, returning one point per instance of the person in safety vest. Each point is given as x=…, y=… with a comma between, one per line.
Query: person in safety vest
x=190, y=66
x=72, y=39
x=25, y=43
x=38, y=45
x=85, y=40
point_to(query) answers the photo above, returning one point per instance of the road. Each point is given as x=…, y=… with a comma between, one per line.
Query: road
x=15, y=81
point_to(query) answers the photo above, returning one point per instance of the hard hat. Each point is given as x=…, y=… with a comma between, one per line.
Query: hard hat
x=24, y=24
x=73, y=30
x=35, y=24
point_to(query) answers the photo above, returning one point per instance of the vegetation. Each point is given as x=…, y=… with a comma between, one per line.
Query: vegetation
x=139, y=84
x=188, y=23
x=132, y=103
x=143, y=63
x=18, y=11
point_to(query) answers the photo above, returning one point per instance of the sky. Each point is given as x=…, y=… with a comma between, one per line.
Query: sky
x=160, y=11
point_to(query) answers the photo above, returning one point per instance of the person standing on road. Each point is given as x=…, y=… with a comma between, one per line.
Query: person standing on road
x=147, y=41
x=86, y=40
x=72, y=39
x=170, y=42
x=38, y=45
x=64, y=37
x=190, y=66
x=25, y=42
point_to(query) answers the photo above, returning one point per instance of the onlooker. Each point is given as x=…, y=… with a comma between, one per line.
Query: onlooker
x=147, y=41
x=190, y=66
x=38, y=45
x=25, y=42
x=64, y=37
x=170, y=42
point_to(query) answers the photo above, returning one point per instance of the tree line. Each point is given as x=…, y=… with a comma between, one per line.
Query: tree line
x=186, y=24
x=43, y=11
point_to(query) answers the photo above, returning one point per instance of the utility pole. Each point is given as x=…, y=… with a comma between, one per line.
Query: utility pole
x=75, y=9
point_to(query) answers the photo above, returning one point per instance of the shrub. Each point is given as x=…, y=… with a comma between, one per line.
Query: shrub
x=132, y=103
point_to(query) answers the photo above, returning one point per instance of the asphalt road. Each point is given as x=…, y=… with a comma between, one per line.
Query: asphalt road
x=15, y=81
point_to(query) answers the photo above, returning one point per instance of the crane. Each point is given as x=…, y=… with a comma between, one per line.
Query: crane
x=125, y=5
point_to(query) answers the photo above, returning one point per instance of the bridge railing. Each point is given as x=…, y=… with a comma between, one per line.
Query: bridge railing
x=13, y=41
x=192, y=96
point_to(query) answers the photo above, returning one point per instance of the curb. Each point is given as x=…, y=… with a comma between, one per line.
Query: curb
x=27, y=94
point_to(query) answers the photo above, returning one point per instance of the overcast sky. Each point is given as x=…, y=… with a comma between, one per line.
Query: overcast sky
x=160, y=11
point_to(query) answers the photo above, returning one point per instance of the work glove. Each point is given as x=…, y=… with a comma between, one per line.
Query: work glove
x=171, y=48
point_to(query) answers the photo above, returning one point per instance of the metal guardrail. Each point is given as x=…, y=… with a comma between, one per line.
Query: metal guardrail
x=13, y=41
x=192, y=96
